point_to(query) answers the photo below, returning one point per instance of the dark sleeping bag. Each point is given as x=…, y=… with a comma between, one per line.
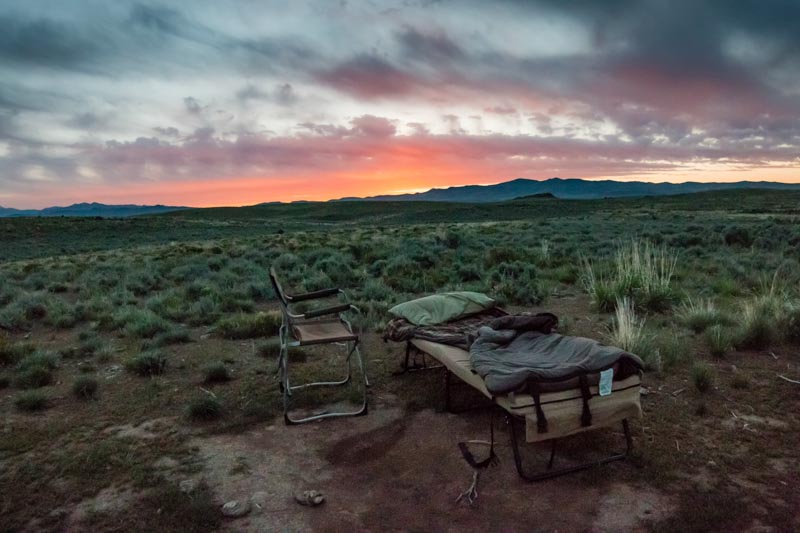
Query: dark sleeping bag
x=514, y=351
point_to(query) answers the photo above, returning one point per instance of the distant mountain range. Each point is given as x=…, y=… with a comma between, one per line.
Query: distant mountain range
x=570, y=189
x=89, y=210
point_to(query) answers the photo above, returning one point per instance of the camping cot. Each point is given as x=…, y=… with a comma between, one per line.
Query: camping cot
x=547, y=411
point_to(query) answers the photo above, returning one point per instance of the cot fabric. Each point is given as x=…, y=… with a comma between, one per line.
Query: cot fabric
x=562, y=408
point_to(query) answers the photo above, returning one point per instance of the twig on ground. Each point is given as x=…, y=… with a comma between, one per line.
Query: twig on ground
x=471, y=494
x=784, y=378
x=678, y=391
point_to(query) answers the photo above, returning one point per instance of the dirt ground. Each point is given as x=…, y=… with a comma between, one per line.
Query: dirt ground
x=390, y=471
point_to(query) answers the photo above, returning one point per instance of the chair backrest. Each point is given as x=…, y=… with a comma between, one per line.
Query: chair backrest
x=278, y=289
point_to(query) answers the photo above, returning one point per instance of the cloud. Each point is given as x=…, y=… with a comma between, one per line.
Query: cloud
x=131, y=93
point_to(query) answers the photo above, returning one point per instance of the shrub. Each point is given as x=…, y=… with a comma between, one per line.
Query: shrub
x=247, y=326
x=5, y=381
x=12, y=352
x=85, y=388
x=140, y=323
x=31, y=401
x=167, y=338
x=719, y=340
x=42, y=359
x=33, y=377
x=216, y=372
x=738, y=236
x=699, y=316
x=171, y=304
x=150, y=363
x=702, y=376
x=204, y=407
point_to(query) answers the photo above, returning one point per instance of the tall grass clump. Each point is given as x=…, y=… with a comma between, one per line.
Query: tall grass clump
x=702, y=376
x=641, y=271
x=719, y=340
x=760, y=321
x=627, y=332
x=699, y=316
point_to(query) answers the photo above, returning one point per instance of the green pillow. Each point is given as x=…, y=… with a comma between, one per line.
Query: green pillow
x=441, y=308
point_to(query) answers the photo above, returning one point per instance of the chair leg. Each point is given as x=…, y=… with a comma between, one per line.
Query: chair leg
x=362, y=410
x=550, y=473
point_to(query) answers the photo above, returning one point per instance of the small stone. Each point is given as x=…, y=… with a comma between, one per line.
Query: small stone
x=311, y=498
x=644, y=391
x=187, y=486
x=235, y=508
x=259, y=500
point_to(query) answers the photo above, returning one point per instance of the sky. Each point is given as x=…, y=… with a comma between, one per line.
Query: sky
x=208, y=103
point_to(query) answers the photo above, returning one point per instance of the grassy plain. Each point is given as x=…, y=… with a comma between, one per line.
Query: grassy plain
x=164, y=326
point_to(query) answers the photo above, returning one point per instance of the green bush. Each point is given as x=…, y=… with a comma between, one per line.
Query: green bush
x=141, y=323
x=204, y=407
x=85, y=388
x=150, y=363
x=247, y=326
x=702, y=376
x=216, y=372
x=31, y=401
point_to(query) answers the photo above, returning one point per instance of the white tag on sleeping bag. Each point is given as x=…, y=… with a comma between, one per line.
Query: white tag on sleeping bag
x=606, y=382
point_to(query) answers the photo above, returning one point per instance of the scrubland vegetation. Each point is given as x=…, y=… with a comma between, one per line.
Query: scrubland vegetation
x=174, y=316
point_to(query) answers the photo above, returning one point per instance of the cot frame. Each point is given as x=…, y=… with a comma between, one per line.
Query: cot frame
x=512, y=420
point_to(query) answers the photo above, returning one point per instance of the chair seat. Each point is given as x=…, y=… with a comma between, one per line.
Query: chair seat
x=322, y=331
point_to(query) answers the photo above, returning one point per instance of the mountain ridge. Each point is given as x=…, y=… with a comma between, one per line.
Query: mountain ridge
x=90, y=209
x=569, y=189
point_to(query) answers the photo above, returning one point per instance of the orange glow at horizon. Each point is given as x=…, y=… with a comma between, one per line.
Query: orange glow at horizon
x=240, y=191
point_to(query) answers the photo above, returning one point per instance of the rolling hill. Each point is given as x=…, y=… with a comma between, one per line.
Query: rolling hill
x=575, y=189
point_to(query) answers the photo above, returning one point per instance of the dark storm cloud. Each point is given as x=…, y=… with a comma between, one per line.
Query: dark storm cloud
x=46, y=42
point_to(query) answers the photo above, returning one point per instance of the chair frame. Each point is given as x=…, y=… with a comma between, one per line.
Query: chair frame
x=288, y=340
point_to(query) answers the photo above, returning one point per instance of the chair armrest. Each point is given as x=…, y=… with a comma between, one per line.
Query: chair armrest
x=324, y=293
x=336, y=309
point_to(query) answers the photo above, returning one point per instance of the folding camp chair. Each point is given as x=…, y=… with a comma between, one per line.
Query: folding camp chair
x=320, y=326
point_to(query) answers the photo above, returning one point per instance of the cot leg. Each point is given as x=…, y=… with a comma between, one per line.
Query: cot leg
x=550, y=473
